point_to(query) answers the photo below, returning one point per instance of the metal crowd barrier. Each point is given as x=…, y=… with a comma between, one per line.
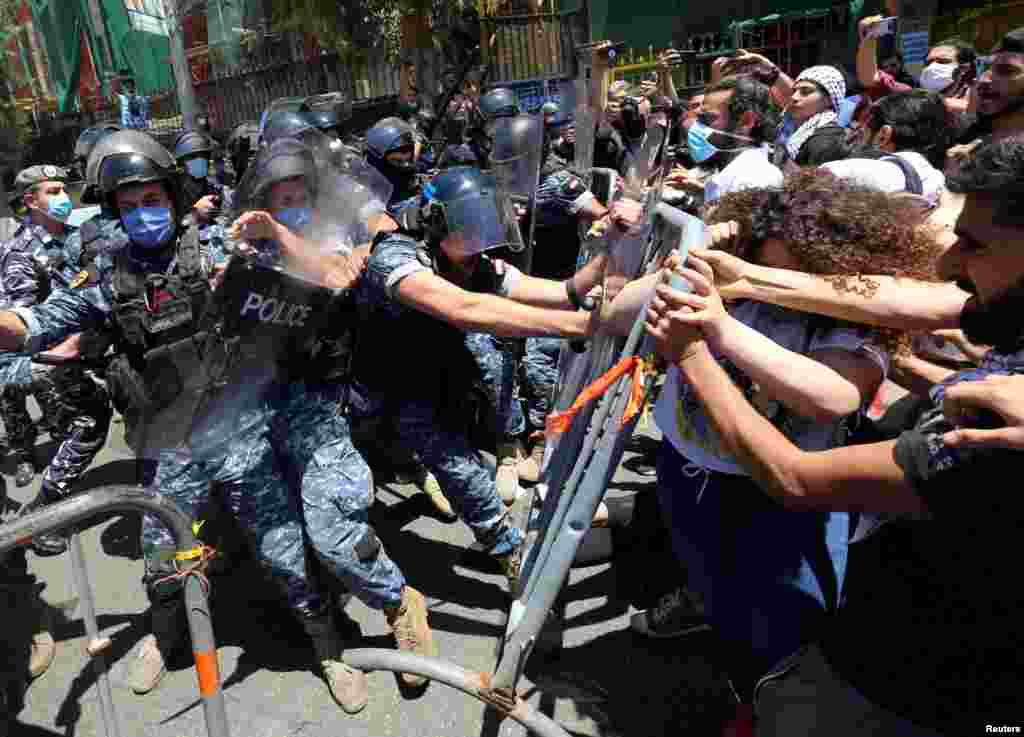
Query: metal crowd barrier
x=123, y=498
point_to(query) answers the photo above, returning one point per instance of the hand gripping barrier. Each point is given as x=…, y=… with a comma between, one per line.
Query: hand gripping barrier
x=117, y=498
x=576, y=483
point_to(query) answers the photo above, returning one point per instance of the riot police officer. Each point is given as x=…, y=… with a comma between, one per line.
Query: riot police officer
x=391, y=149
x=194, y=151
x=44, y=255
x=420, y=297
x=185, y=398
x=310, y=432
x=500, y=102
x=86, y=140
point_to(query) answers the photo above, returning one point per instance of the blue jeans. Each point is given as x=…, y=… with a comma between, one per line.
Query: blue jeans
x=769, y=576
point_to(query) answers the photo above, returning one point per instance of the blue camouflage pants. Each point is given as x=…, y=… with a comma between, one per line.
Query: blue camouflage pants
x=467, y=483
x=540, y=368
x=336, y=488
x=254, y=487
x=490, y=358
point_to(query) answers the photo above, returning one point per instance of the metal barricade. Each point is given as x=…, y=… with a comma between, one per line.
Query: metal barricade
x=123, y=498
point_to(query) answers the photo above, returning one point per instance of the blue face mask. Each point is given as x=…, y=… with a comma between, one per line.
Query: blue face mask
x=150, y=227
x=296, y=219
x=197, y=168
x=699, y=143
x=59, y=207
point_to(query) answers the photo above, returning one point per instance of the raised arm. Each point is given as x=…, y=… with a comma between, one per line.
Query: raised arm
x=884, y=301
x=867, y=53
x=854, y=478
x=488, y=313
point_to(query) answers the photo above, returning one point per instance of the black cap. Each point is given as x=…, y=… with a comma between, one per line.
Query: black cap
x=1011, y=43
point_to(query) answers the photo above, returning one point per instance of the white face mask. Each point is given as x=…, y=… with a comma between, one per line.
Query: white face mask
x=936, y=77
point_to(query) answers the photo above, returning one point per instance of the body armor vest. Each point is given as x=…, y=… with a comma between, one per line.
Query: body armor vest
x=445, y=368
x=162, y=319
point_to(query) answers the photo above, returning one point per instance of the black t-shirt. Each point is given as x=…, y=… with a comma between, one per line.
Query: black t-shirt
x=932, y=626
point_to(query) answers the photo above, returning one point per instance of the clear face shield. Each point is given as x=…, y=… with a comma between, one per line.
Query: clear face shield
x=515, y=164
x=481, y=221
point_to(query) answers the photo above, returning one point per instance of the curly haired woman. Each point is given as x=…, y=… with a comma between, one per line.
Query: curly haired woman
x=768, y=576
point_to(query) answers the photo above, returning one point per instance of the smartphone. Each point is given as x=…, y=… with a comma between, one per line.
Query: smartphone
x=885, y=27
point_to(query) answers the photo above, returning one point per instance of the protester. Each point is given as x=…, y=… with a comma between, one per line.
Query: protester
x=939, y=620
x=813, y=111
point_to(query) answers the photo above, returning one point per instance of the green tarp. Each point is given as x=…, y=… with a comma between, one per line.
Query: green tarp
x=62, y=24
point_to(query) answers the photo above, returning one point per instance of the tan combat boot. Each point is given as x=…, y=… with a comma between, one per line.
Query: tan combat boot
x=43, y=648
x=429, y=485
x=348, y=686
x=530, y=467
x=170, y=634
x=506, y=479
x=412, y=631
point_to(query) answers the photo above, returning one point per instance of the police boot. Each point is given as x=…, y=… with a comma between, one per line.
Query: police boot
x=412, y=632
x=170, y=635
x=429, y=485
x=43, y=648
x=47, y=543
x=530, y=467
x=506, y=479
x=348, y=686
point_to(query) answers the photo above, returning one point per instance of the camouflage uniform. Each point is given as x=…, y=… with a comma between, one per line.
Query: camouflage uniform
x=336, y=488
x=233, y=448
x=560, y=197
x=429, y=410
x=490, y=358
x=75, y=405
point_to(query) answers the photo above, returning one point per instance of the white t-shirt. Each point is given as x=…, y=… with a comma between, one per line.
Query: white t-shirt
x=681, y=416
x=750, y=170
x=888, y=177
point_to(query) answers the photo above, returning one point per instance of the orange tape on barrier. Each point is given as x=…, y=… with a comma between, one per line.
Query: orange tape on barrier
x=208, y=672
x=559, y=422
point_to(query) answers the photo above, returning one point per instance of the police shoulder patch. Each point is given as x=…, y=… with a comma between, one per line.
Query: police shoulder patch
x=80, y=280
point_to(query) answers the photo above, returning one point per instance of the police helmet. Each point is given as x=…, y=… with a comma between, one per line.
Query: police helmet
x=501, y=102
x=387, y=135
x=89, y=138
x=549, y=108
x=284, y=124
x=131, y=157
x=193, y=142
x=279, y=161
x=462, y=200
x=325, y=120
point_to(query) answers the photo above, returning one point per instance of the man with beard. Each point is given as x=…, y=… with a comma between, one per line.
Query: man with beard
x=938, y=611
x=1000, y=92
x=997, y=100
x=734, y=125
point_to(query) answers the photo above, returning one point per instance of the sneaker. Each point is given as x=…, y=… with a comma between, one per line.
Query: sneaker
x=24, y=474
x=506, y=479
x=530, y=467
x=677, y=613
x=412, y=631
x=148, y=667
x=429, y=485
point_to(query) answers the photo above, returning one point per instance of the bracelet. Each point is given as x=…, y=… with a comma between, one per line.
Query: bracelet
x=572, y=294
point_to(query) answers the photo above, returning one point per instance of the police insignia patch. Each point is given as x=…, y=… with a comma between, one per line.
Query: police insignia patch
x=81, y=279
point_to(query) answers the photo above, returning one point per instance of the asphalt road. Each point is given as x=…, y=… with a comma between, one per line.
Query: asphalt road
x=605, y=681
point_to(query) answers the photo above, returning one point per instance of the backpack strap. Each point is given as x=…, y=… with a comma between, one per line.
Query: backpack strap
x=914, y=184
